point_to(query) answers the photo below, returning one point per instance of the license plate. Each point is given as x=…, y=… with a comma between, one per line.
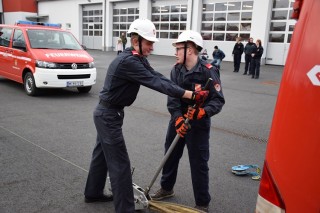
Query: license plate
x=74, y=83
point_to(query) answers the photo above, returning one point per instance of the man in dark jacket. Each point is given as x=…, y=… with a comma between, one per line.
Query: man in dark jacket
x=248, y=50
x=191, y=73
x=237, y=53
x=126, y=73
x=123, y=40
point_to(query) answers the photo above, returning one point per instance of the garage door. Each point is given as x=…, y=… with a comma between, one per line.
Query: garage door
x=280, y=32
x=92, y=26
x=124, y=13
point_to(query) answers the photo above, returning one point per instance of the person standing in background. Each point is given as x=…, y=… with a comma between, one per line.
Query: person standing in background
x=119, y=46
x=123, y=40
x=237, y=53
x=256, y=60
x=248, y=49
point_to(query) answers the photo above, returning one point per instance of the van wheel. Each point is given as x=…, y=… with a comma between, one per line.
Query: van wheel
x=30, y=85
x=84, y=89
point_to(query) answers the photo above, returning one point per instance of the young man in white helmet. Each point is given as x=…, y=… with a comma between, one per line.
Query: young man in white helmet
x=126, y=73
x=191, y=73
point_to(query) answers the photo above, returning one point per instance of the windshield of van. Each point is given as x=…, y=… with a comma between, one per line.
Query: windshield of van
x=52, y=39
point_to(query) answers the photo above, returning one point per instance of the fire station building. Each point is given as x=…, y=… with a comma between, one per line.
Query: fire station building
x=98, y=23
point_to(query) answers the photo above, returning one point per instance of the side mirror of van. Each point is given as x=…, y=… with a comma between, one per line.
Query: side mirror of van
x=21, y=45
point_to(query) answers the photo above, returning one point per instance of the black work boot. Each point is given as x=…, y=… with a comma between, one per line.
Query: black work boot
x=202, y=208
x=161, y=194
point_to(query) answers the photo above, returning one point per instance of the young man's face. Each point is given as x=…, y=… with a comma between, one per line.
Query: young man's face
x=147, y=47
x=180, y=52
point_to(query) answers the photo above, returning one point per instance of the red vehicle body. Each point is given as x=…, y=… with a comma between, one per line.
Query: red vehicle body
x=44, y=56
x=291, y=174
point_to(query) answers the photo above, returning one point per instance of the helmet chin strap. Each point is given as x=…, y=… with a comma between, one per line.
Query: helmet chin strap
x=185, y=53
x=140, y=44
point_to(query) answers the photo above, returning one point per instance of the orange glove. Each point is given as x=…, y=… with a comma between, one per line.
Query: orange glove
x=181, y=127
x=200, y=96
x=195, y=114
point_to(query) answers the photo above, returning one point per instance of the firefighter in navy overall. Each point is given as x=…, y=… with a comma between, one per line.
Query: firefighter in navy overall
x=191, y=73
x=126, y=73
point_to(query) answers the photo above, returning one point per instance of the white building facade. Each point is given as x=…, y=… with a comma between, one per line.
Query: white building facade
x=98, y=23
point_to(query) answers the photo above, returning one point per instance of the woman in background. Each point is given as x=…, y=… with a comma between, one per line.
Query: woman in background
x=256, y=60
x=119, y=46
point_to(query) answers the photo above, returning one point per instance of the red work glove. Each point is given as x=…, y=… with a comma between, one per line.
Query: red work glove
x=195, y=114
x=181, y=127
x=200, y=96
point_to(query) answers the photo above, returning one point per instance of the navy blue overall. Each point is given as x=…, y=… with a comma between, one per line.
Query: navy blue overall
x=248, y=50
x=197, y=139
x=237, y=53
x=255, y=62
x=125, y=74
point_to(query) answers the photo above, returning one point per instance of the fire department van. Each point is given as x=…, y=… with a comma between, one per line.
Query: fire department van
x=291, y=174
x=42, y=55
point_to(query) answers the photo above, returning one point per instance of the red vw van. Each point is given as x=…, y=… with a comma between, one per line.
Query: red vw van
x=42, y=55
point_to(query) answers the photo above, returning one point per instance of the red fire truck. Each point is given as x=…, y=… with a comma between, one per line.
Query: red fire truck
x=291, y=173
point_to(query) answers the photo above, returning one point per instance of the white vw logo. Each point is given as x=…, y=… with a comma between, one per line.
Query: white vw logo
x=74, y=66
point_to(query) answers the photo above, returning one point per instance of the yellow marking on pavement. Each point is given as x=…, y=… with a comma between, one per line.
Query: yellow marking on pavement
x=273, y=83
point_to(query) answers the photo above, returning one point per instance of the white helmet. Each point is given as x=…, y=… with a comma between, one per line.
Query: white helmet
x=192, y=36
x=145, y=28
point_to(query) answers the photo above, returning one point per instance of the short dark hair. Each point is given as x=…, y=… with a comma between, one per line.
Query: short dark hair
x=216, y=47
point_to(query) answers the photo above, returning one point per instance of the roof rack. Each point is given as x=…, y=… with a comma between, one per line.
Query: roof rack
x=33, y=23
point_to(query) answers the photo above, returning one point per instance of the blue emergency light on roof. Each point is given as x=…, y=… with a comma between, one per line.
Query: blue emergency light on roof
x=38, y=24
